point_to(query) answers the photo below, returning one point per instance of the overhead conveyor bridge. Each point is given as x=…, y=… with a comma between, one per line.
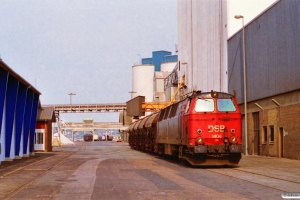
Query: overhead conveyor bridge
x=88, y=108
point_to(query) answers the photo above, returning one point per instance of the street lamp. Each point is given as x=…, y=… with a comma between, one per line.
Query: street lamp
x=71, y=98
x=157, y=97
x=245, y=81
x=132, y=92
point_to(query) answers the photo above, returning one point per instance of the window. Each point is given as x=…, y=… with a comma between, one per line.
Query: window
x=204, y=105
x=265, y=135
x=187, y=106
x=271, y=134
x=161, y=115
x=225, y=105
x=167, y=112
x=39, y=138
x=173, y=110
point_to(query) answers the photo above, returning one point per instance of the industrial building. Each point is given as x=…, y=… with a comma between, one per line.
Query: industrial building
x=202, y=45
x=149, y=75
x=272, y=70
x=43, y=131
x=18, y=112
x=207, y=60
x=272, y=76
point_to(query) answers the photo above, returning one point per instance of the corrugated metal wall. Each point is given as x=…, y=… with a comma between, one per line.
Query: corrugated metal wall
x=202, y=44
x=158, y=57
x=272, y=44
x=18, y=110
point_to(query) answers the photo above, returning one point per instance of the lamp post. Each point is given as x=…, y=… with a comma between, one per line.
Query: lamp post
x=245, y=85
x=132, y=92
x=71, y=98
x=157, y=97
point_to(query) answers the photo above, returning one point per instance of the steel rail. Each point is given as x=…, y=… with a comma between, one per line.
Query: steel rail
x=23, y=186
x=254, y=181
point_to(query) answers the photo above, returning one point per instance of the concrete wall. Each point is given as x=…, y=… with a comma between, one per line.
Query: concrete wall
x=202, y=44
x=286, y=122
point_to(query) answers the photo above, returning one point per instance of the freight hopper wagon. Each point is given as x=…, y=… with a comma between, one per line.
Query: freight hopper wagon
x=202, y=129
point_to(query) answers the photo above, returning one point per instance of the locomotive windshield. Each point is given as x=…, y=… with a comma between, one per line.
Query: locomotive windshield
x=204, y=105
x=225, y=105
x=207, y=105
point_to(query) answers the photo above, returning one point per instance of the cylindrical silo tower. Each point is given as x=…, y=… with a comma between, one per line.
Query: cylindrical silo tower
x=142, y=81
x=202, y=44
x=167, y=67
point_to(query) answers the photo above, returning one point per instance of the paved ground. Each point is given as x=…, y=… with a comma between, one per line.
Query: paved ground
x=111, y=170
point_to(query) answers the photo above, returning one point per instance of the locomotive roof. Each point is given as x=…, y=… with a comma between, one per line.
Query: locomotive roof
x=212, y=94
x=206, y=95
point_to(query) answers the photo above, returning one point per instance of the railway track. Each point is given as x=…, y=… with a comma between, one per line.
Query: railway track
x=277, y=183
x=36, y=169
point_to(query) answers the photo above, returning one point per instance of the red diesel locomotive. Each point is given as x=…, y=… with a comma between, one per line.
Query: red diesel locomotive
x=202, y=129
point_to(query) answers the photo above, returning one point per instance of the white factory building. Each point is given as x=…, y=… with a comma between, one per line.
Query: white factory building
x=148, y=77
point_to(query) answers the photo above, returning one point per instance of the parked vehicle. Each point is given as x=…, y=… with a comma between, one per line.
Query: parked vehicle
x=90, y=137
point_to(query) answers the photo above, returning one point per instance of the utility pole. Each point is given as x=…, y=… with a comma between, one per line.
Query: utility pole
x=71, y=99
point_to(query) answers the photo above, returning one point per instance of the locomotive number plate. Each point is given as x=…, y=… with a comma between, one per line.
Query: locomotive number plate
x=216, y=136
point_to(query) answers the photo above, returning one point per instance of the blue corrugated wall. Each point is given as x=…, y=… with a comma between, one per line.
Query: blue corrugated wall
x=3, y=83
x=11, y=98
x=33, y=121
x=18, y=112
x=158, y=57
x=170, y=58
x=27, y=120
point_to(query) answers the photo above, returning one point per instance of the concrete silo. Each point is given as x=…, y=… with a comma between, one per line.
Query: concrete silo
x=142, y=81
x=202, y=44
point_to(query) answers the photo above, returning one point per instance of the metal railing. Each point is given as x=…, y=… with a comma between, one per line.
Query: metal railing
x=92, y=126
x=82, y=108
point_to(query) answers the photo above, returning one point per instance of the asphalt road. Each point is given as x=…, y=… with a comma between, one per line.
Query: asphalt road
x=111, y=170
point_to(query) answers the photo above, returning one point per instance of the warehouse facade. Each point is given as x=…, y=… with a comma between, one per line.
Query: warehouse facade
x=273, y=83
x=18, y=112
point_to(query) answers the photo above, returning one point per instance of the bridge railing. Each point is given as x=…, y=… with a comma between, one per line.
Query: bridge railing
x=95, y=125
x=115, y=107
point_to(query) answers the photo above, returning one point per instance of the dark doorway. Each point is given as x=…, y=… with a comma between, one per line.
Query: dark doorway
x=256, y=133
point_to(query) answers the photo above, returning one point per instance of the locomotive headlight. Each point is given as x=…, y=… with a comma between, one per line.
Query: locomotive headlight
x=199, y=131
x=200, y=140
x=232, y=131
x=233, y=140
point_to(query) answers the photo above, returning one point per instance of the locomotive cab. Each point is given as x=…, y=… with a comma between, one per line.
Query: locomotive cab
x=212, y=122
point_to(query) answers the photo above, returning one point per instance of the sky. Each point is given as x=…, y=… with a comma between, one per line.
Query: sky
x=247, y=8
x=88, y=47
